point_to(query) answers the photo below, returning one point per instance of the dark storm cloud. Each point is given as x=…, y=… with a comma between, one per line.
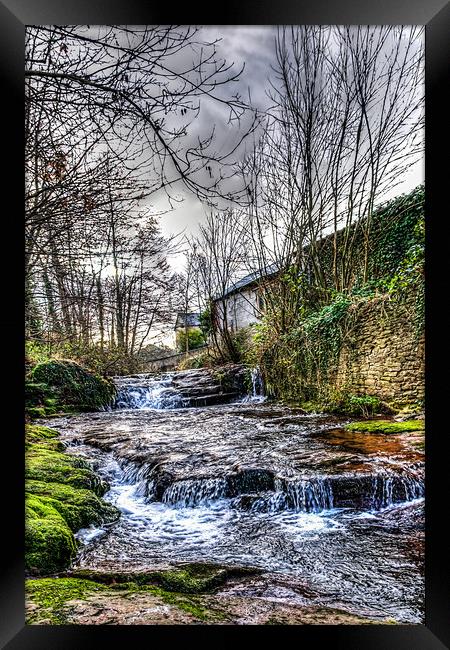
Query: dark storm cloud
x=253, y=47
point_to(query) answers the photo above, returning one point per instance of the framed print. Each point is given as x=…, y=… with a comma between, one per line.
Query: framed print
x=232, y=245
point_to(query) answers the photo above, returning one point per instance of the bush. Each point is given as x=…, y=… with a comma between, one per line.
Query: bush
x=364, y=405
x=195, y=340
x=202, y=360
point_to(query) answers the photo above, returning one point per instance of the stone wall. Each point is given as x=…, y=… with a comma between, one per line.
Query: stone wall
x=382, y=354
x=172, y=361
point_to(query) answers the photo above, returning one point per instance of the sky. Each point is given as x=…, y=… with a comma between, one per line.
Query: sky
x=253, y=46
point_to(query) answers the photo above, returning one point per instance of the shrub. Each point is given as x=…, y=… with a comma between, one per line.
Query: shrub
x=196, y=340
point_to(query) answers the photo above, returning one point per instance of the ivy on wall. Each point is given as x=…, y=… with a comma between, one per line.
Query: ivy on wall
x=301, y=364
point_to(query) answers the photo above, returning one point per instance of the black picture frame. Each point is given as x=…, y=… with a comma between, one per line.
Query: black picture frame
x=14, y=15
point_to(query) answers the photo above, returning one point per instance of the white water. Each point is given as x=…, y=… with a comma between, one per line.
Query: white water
x=257, y=395
x=146, y=392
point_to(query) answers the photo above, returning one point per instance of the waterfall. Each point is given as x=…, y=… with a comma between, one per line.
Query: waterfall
x=389, y=490
x=308, y=495
x=257, y=383
x=194, y=492
x=319, y=494
x=257, y=394
x=182, y=389
x=147, y=392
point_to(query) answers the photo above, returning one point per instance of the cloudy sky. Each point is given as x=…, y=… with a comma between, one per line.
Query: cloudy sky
x=253, y=46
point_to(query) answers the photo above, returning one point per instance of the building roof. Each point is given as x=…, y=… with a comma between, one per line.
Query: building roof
x=184, y=319
x=250, y=279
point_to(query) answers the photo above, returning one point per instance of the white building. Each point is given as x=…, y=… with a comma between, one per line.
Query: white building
x=244, y=301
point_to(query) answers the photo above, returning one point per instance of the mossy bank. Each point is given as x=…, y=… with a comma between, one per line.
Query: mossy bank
x=57, y=386
x=385, y=426
x=83, y=601
x=62, y=495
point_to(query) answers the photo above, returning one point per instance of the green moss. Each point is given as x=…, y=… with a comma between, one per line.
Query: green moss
x=39, y=437
x=37, y=507
x=194, y=578
x=43, y=464
x=38, y=433
x=49, y=543
x=51, y=595
x=191, y=578
x=79, y=507
x=385, y=426
x=62, y=496
x=52, y=512
x=40, y=400
x=347, y=404
x=36, y=412
x=62, y=385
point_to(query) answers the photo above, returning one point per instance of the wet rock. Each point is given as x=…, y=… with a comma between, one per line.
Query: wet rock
x=251, y=480
x=209, y=400
x=160, y=482
x=260, y=502
x=84, y=602
x=186, y=578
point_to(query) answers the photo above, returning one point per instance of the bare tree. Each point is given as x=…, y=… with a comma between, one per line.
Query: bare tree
x=221, y=256
x=344, y=127
x=138, y=93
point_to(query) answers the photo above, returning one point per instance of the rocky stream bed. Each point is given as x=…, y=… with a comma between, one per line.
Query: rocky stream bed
x=238, y=511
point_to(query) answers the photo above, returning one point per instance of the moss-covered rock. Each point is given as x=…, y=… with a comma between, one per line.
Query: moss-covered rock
x=42, y=437
x=62, y=496
x=79, y=507
x=39, y=433
x=385, y=426
x=84, y=602
x=51, y=594
x=61, y=385
x=44, y=464
x=188, y=578
x=49, y=542
x=50, y=600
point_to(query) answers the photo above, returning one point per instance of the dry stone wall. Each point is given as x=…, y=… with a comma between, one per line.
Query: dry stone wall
x=383, y=354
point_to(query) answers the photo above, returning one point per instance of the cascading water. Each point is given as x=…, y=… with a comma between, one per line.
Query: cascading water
x=147, y=392
x=194, y=492
x=256, y=484
x=257, y=383
x=257, y=391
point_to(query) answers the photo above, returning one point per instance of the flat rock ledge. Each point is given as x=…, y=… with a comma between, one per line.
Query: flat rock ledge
x=146, y=608
x=105, y=600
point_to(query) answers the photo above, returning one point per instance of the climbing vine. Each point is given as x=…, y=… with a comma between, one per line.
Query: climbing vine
x=301, y=363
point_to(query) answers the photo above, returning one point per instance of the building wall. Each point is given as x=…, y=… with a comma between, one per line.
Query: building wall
x=242, y=309
x=382, y=354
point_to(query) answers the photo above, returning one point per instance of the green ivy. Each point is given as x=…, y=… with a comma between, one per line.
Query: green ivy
x=299, y=364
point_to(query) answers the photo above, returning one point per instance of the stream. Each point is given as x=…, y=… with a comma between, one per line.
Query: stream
x=332, y=518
